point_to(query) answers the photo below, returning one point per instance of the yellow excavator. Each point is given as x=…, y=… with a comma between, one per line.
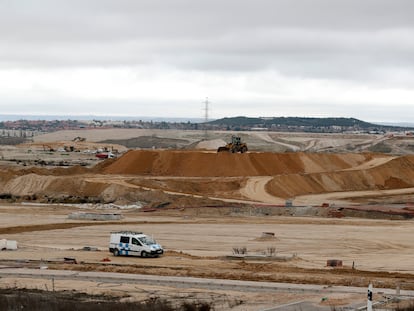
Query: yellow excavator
x=236, y=145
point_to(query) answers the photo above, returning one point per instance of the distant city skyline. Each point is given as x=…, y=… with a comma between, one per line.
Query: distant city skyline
x=264, y=58
x=17, y=117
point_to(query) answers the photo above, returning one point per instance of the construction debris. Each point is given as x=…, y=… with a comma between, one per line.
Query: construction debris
x=334, y=263
x=8, y=245
x=94, y=216
x=268, y=234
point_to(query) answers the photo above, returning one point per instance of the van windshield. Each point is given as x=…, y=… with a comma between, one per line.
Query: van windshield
x=147, y=240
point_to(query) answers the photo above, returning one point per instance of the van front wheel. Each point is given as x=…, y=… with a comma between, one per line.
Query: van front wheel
x=116, y=252
x=144, y=254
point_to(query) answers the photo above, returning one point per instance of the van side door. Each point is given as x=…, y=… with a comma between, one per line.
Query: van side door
x=136, y=246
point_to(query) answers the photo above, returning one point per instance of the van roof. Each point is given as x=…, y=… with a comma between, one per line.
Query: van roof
x=126, y=232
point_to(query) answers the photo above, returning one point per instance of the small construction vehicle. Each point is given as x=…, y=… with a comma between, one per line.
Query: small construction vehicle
x=78, y=138
x=236, y=145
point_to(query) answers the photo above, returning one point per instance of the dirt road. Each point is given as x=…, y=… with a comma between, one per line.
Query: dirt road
x=211, y=285
x=255, y=190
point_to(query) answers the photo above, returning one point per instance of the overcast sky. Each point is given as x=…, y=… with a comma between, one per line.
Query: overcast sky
x=307, y=58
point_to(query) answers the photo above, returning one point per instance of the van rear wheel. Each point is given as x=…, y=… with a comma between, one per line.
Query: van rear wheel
x=116, y=252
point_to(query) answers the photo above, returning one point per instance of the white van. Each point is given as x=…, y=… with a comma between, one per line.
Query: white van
x=134, y=244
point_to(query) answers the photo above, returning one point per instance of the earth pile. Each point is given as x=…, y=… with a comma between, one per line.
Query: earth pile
x=397, y=173
x=208, y=164
x=145, y=175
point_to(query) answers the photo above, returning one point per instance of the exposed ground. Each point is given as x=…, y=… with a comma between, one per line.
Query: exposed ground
x=258, y=141
x=201, y=206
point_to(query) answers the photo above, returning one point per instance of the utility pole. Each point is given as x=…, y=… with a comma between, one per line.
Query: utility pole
x=206, y=102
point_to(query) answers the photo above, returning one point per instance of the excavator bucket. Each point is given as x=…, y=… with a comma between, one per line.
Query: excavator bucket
x=223, y=149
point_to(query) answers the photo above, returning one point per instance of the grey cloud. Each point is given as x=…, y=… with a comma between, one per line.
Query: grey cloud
x=115, y=19
x=339, y=39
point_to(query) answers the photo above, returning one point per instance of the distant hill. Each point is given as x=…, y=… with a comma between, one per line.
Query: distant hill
x=294, y=121
x=303, y=124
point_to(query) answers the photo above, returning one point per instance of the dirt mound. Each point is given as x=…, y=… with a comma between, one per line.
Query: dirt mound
x=282, y=175
x=27, y=184
x=196, y=163
x=394, y=174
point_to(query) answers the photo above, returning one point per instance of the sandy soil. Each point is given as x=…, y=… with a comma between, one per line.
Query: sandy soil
x=204, y=205
x=198, y=246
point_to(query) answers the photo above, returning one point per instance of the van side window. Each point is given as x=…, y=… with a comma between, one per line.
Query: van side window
x=124, y=239
x=136, y=242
